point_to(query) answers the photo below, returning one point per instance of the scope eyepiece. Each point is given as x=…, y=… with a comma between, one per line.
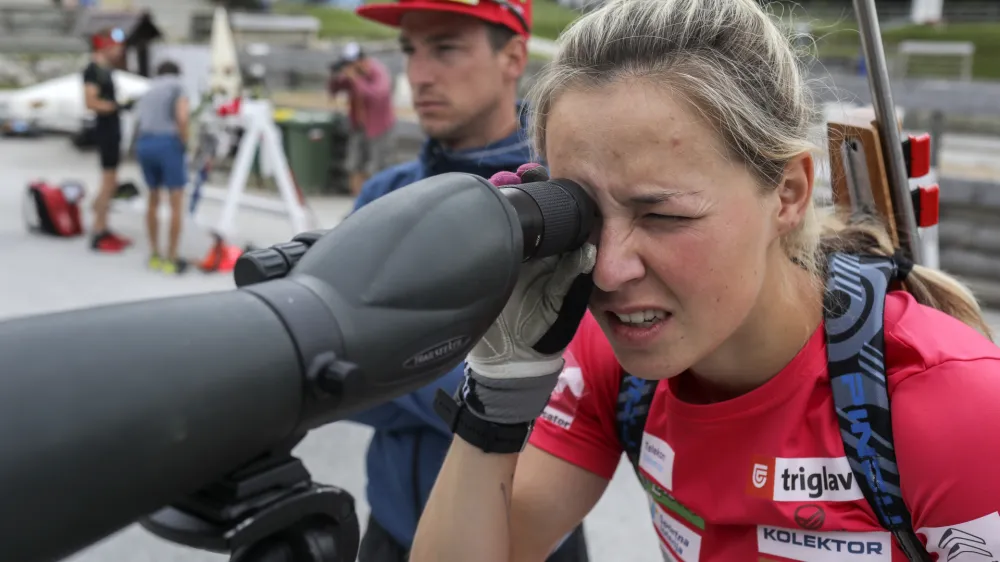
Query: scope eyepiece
x=275, y=262
x=556, y=216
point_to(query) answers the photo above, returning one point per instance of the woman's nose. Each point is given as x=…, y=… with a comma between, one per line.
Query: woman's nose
x=617, y=261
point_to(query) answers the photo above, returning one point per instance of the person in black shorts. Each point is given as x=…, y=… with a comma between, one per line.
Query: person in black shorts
x=99, y=92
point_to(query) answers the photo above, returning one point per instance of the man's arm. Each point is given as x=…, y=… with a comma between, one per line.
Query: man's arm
x=182, y=113
x=370, y=191
x=336, y=85
x=95, y=103
x=371, y=84
x=412, y=410
x=92, y=94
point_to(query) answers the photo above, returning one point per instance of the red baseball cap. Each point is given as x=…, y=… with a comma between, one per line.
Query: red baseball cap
x=515, y=14
x=108, y=38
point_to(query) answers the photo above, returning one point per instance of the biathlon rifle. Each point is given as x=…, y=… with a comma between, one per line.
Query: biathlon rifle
x=872, y=165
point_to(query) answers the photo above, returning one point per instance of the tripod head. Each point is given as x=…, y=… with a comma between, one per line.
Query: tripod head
x=267, y=511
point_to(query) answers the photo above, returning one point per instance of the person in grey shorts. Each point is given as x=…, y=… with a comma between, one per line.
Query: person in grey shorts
x=367, y=156
x=163, y=114
x=369, y=89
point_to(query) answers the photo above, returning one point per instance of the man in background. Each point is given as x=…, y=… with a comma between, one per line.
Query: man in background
x=463, y=63
x=369, y=90
x=99, y=97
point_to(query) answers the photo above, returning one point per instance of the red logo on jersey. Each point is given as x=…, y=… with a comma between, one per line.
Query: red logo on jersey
x=810, y=516
x=761, y=478
x=565, y=399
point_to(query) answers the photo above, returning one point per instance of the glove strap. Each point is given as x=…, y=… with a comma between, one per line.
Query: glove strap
x=574, y=306
x=490, y=437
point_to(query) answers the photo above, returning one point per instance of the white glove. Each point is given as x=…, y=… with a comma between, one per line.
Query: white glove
x=505, y=352
x=508, y=381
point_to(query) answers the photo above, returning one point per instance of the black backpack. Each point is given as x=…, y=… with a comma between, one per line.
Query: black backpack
x=854, y=302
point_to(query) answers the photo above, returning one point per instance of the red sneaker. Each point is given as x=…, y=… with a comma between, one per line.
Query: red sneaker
x=125, y=242
x=108, y=243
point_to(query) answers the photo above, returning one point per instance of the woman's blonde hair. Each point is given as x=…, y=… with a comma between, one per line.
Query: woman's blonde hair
x=732, y=62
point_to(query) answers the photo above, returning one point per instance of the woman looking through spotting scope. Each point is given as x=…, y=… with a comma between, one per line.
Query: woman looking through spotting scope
x=730, y=322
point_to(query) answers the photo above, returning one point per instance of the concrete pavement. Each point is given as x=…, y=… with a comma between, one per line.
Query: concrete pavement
x=42, y=275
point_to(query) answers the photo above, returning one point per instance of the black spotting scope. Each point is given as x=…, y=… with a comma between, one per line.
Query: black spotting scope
x=182, y=412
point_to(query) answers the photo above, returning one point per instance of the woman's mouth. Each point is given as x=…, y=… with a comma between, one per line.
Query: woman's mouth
x=643, y=318
x=638, y=327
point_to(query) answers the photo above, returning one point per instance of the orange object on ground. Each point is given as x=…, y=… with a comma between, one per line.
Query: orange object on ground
x=221, y=257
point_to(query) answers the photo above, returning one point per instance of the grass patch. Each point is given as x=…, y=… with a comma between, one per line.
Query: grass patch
x=985, y=36
x=842, y=40
x=550, y=19
x=336, y=23
x=834, y=40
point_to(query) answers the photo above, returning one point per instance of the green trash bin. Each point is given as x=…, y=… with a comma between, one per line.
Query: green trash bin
x=338, y=158
x=281, y=118
x=309, y=139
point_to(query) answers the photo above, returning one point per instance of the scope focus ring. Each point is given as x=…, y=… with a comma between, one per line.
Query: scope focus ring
x=561, y=216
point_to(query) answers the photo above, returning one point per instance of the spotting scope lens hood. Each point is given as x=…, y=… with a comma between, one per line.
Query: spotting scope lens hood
x=556, y=216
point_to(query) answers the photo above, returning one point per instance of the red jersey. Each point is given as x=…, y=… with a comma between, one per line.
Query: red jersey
x=763, y=477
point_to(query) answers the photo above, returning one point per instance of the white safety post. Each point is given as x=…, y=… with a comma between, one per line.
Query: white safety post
x=929, y=235
x=260, y=131
x=256, y=117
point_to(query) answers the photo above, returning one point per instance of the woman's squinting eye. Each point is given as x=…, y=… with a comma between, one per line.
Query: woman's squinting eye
x=667, y=217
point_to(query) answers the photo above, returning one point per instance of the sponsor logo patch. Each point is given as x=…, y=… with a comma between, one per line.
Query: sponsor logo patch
x=810, y=546
x=656, y=458
x=565, y=398
x=810, y=516
x=977, y=540
x=670, y=504
x=761, y=472
x=683, y=542
x=803, y=480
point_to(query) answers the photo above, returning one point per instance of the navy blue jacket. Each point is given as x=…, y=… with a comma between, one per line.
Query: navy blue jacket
x=410, y=440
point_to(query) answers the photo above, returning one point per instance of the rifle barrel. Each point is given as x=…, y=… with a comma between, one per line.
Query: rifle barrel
x=885, y=115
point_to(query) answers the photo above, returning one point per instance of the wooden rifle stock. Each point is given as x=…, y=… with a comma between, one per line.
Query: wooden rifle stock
x=858, y=177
